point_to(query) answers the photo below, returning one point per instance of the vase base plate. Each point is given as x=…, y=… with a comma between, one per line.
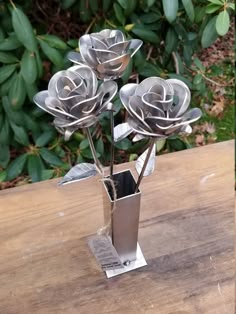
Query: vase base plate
x=139, y=262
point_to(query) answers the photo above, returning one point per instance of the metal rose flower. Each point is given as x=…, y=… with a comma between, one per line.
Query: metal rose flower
x=75, y=99
x=158, y=108
x=107, y=52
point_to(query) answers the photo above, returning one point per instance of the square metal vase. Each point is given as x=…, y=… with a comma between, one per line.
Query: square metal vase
x=123, y=220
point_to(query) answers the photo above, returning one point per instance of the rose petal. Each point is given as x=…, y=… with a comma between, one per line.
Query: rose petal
x=84, y=107
x=52, y=85
x=135, y=44
x=88, y=77
x=121, y=47
x=57, y=108
x=98, y=41
x=117, y=64
x=154, y=84
x=84, y=44
x=40, y=98
x=136, y=127
x=107, y=91
x=75, y=57
x=182, y=91
x=126, y=92
x=137, y=111
x=102, y=55
x=153, y=105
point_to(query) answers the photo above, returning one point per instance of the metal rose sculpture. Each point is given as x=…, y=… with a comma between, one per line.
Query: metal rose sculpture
x=157, y=109
x=76, y=101
x=108, y=53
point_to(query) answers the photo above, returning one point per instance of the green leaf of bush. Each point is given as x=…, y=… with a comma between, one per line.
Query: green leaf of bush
x=23, y=29
x=6, y=71
x=84, y=144
x=50, y=157
x=197, y=79
x=3, y=175
x=219, y=2
x=54, y=41
x=20, y=134
x=211, y=8
x=171, y=40
x=53, y=54
x=39, y=64
x=17, y=92
x=4, y=155
x=10, y=43
x=16, y=117
x=146, y=35
x=45, y=138
x=7, y=57
x=209, y=34
x=31, y=90
x=170, y=9
x=47, y=174
x=124, y=144
x=34, y=168
x=29, y=67
x=188, y=6
x=5, y=132
x=119, y=13
x=222, y=23
x=149, y=69
x=16, y=167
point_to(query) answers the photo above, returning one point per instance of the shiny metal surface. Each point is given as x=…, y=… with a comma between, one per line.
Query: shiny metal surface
x=107, y=52
x=75, y=99
x=125, y=218
x=159, y=108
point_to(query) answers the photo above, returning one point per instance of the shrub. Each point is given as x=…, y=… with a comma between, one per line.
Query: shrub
x=172, y=31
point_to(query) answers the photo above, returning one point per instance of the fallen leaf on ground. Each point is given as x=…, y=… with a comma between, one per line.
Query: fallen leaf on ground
x=200, y=140
x=218, y=107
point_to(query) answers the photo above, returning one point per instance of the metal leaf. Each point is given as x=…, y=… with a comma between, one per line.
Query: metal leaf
x=121, y=131
x=138, y=137
x=150, y=165
x=79, y=172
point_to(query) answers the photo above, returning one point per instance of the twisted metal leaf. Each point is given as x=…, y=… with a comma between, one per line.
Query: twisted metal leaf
x=78, y=173
x=107, y=52
x=75, y=99
x=159, y=108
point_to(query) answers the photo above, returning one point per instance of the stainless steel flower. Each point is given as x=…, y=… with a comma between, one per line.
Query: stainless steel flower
x=75, y=99
x=158, y=108
x=107, y=52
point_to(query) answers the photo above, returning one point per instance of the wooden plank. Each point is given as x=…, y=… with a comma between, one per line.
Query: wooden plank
x=186, y=234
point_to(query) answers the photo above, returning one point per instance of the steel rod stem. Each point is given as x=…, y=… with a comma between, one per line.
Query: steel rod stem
x=112, y=143
x=144, y=165
x=93, y=150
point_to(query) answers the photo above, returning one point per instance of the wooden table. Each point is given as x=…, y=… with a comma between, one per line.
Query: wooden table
x=186, y=234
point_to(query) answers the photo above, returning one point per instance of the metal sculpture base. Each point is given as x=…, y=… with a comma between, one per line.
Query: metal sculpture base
x=139, y=262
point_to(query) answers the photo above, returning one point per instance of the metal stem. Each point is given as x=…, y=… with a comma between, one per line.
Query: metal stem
x=93, y=150
x=112, y=143
x=145, y=165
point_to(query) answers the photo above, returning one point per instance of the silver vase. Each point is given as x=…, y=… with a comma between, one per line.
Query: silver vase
x=123, y=220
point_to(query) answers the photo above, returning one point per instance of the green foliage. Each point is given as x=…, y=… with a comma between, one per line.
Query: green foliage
x=172, y=31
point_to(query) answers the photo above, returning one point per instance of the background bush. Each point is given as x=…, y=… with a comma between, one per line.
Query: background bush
x=35, y=37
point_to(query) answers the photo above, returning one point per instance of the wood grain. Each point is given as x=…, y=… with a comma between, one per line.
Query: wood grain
x=186, y=234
